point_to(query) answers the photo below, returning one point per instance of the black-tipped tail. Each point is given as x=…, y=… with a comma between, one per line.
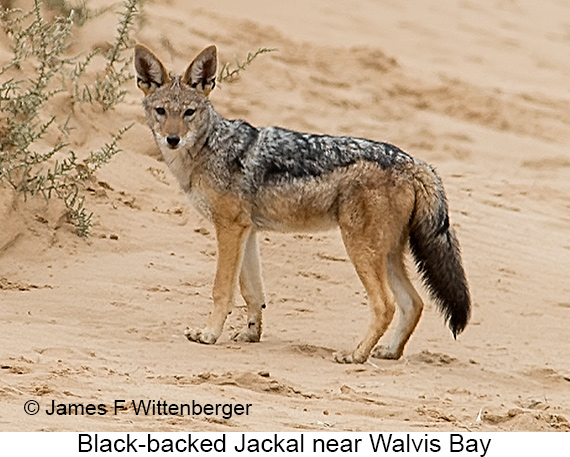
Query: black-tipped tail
x=436, y=251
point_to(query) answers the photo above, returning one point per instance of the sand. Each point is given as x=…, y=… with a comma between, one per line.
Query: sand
x=479, y=90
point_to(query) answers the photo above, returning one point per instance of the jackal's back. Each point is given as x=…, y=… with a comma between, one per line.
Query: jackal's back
x=275, y=156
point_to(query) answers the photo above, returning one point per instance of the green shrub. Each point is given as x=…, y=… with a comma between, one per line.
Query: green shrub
x=39, y=48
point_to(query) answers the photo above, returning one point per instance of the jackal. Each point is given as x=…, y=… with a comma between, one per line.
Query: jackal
x=246, y=179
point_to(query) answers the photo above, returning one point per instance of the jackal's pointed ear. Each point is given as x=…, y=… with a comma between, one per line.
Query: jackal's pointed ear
x=151, y=74
x=201, y=73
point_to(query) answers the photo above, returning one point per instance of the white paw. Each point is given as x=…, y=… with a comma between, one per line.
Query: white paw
x=200, y=335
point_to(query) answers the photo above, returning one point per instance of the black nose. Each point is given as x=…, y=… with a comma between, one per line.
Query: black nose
x=173, y=140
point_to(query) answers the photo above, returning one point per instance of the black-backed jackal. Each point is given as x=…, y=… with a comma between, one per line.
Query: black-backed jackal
x=246, y=179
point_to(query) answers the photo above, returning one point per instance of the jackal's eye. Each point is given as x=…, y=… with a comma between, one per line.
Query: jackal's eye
x=189, y=112
x=160, y=111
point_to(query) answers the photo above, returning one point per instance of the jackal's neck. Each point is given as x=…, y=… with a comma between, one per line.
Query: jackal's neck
x=229, y=138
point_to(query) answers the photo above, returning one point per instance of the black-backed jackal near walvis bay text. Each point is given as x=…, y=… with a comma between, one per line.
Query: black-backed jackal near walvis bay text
x=246, y=179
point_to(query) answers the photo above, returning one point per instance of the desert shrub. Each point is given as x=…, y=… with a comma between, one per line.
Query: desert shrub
x=108, y=88
x=27, y=123
x=228, y=74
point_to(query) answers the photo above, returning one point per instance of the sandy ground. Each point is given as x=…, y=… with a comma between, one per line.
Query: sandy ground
x=478, y=89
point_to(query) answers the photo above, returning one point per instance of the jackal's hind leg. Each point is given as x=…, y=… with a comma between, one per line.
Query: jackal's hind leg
x=371, y=268
x=410, y=307
x=251, y=286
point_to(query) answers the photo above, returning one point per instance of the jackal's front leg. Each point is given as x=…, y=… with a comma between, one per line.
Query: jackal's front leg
x=251, y=285
x=231, y=240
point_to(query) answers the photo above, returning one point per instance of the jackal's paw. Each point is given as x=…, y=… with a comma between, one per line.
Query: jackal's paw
x=385, y=352
x=349, y=357
x=248, y=335
x=200, y=335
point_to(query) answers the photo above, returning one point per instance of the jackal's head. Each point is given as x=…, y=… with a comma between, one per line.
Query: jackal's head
x=177, y=107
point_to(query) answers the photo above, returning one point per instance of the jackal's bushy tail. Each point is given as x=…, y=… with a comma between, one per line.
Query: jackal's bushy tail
x=436, y=250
